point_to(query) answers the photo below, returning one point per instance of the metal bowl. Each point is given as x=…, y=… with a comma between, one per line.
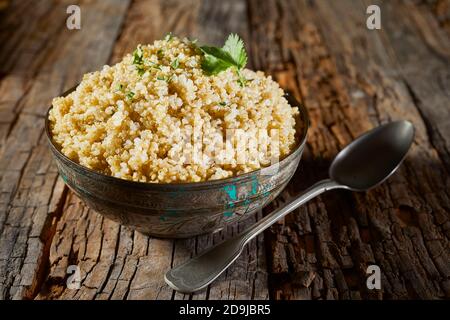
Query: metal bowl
x=179, y=210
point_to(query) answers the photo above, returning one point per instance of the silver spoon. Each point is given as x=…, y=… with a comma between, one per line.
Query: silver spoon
x=363, y=164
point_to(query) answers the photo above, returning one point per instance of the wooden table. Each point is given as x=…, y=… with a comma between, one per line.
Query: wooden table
x=351, y=79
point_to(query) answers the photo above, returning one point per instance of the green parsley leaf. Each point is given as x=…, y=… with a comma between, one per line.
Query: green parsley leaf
x=161, y=78
x=213, y=66
x=231, y=55
x=216, y=60
x=223, y=103
x=175, y=63
x=235, y=47
x=119, y=87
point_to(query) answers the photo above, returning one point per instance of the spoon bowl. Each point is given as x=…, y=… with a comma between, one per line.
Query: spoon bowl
x=373, y=157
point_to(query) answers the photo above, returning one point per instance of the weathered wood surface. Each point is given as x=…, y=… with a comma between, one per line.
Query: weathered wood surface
x=349, y=78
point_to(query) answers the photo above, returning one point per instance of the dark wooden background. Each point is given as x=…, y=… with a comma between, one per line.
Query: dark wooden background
x=351, y=79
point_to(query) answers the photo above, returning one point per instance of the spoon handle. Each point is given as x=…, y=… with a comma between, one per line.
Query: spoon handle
x=305, y=196
x=198, y=272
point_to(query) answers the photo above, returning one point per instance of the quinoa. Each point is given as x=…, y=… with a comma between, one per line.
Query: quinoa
x=132, y=123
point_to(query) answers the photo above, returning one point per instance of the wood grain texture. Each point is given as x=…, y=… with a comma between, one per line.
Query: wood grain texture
x=349, y=78
x=352, y=79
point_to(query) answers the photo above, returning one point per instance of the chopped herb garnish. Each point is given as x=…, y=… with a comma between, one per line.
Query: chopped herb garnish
x=169, y=36
x=153, y=64
x=166, y=79
x=160, y=53
x=141, y=63
x=223, y=103
x=138, y=55
x=119, y=87
x=140, y=70
x=138, y=60
x=130, y=95
x=231, y=55
x=175, y=63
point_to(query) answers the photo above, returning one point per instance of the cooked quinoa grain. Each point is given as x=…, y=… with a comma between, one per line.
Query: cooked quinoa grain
x=132, y=120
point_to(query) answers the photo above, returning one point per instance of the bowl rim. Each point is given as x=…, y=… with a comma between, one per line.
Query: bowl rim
x=150, y=185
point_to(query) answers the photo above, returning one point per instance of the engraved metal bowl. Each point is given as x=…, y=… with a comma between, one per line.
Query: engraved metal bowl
x=180, y=210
